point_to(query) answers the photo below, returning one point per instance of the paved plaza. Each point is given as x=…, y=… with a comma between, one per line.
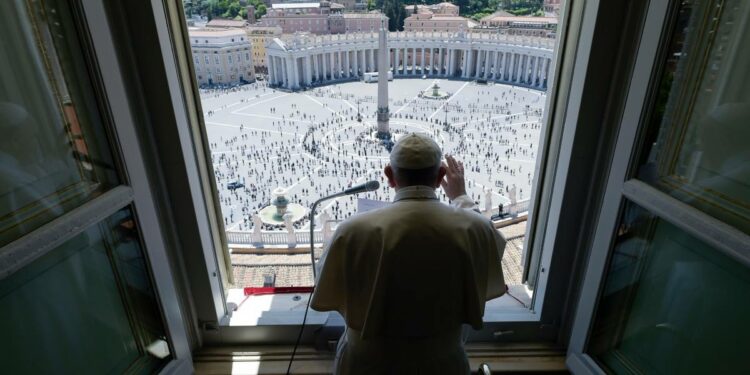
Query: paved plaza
x=312, y=143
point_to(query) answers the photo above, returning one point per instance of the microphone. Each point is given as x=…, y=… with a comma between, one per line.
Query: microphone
x=367, y=186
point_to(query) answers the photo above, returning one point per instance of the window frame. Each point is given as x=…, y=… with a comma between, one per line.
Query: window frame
x=549, y=188
x=134, y=191
x=623, y=187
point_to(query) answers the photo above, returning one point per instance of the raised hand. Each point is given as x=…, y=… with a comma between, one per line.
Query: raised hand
x=453, y=183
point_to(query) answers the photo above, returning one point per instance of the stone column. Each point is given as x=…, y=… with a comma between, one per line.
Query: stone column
x=372, y=60
x=507, y=70
x=314, y=67
x=396, y=61
x=441, y=61
x=342, y=66
x=279, y=73
x=269, y=62
x=356, y=63
x=334, y=72
x=322, y=64
x=422, y=64
x=478, y=65
x=406, y=60
x=308, y=71
x=451, y=63
x=464, y=60
x=337, y=64
x=503, y=65
x=343, y=58
x=286, y=67
x=493, y=65
x=364, y=61
x=323, y=67
x=496, y=67
x=329, y=66
x=472, y=64
x=487, y=64
x=448, y=61
x=295, y=73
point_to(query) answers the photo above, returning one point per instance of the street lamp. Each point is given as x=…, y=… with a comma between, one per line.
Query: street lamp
x=359, y=116
x=445, y=122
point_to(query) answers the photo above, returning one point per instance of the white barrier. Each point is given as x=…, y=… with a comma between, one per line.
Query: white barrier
x=302, y=236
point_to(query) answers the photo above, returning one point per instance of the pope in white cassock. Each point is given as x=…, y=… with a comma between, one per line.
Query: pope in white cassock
x=407, y=277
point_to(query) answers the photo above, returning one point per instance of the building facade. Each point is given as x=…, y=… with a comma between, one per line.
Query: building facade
x=428, y=22
x=361, y=22
x=221, y=56
x=520, y=25
x=301, y=61
x=318, y=18
x=260, y=36
x=444, y=8
x=551, y=7
x=442, y=17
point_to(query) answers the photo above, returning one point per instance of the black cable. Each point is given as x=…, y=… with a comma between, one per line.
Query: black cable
x=507, y=291
x=299, y=335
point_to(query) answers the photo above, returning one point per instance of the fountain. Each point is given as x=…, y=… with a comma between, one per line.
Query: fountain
x=281, y=210
x=436, y=93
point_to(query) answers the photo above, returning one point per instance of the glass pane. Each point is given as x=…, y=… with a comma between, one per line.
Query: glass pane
x=699, y=129
x=88, y=306
x=670, y=304
x=53, y=146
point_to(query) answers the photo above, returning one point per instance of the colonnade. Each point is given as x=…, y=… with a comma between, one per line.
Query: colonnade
x=294, y=64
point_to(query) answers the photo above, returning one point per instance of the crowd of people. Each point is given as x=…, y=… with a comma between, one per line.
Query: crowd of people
x=494, y=130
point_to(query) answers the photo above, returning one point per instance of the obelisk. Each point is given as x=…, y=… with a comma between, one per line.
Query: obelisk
x=384, y=131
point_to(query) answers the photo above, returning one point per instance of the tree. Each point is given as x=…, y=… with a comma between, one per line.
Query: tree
x=394, y=10
x=370, y=5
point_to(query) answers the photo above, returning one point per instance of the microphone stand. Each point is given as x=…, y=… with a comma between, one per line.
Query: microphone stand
x=312, y=228
x=312, y=263
x=366, y=187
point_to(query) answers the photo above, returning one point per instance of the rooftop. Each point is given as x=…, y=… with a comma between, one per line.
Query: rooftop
x=503, y=18
x=295, y=5
x=215, y=32
x=219, y=22
x=362, y=15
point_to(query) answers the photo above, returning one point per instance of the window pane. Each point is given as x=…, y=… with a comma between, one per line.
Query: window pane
x=698, y=134
x=53, y=146
x=92, y=302
x=670, y=304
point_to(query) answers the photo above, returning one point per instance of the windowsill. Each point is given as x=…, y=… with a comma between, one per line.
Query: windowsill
x=289, y=309
x=273, y=359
